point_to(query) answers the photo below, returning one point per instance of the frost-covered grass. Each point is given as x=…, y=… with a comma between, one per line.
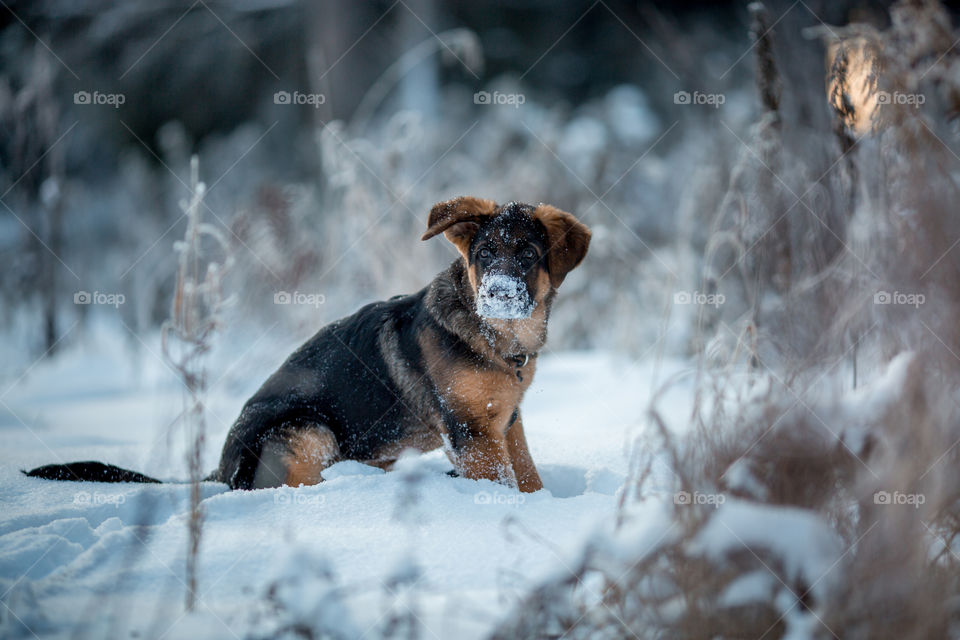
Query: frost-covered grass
x=817, y=492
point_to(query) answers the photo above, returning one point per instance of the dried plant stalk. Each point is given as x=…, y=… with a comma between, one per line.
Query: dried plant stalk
x=187, y=337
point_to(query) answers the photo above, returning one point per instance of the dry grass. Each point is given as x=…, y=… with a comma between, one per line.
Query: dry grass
x=186, y=339
x=819, y=410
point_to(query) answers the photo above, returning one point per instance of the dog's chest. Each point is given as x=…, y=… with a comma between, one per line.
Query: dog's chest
x=487, y=396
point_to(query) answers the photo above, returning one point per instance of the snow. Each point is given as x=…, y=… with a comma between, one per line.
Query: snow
x=804, y=543
x=366, y=550
x=755, y=586
x=363, y=550
x=502, y=296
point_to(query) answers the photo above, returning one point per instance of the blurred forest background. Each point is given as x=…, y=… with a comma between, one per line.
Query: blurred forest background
x=328, y=197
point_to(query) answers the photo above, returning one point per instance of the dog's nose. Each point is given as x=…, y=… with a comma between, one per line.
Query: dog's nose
x=503, y=289
x=501, y=296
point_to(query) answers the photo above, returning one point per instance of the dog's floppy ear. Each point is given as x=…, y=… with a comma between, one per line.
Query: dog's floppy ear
x=568, y=239
x=458, y=220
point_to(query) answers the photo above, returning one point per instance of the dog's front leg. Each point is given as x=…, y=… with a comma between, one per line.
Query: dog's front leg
x=485, y=456
x=528, y=480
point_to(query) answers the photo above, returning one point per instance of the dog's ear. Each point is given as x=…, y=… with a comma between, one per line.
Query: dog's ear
x=568, y=239
x=459, y=219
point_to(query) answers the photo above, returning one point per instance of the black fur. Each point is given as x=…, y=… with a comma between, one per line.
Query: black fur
x=89, y=472
x=340, y=379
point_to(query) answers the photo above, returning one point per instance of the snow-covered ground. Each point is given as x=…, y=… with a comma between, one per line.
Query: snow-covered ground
x=101, y=560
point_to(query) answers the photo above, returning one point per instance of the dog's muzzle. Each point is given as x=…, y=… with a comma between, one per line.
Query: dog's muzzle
x=504, y=297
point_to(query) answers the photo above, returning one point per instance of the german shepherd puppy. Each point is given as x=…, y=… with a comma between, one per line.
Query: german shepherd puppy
x=446, y=366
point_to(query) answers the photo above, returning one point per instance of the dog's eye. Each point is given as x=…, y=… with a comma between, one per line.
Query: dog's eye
x=528, y=255
x=484, y=254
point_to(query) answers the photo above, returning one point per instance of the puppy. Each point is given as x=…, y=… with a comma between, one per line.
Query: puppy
x=446, y=366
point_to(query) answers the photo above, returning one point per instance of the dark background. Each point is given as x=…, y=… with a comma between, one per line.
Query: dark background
x=91, y=194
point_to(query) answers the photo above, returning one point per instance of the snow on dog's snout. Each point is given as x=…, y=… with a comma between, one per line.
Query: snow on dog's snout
x=503, y=296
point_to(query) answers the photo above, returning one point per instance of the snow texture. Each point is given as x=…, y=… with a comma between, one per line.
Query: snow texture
x=800, y=539
x=503, y=297
x=359, y=551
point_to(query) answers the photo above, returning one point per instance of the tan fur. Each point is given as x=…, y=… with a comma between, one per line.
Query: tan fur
x=311, y=451
x=460, y=237
x=486, y=458
x=568, y=239
x=487, y=396
x=472, y=277
x=528, y=480
x=457, y=220
x=487, y=393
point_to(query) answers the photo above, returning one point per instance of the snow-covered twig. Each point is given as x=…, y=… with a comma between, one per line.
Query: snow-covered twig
x=186, y=338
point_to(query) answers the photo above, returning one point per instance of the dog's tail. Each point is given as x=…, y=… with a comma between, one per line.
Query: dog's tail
x=96, y=472
x=88, y=472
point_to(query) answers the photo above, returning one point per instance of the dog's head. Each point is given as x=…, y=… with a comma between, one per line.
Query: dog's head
x=516, y=254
